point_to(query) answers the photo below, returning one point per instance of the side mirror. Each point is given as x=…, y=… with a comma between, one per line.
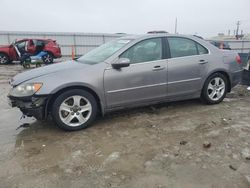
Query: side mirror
x=122, y=62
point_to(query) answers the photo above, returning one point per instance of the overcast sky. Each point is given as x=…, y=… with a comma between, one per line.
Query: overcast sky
x=203, y=17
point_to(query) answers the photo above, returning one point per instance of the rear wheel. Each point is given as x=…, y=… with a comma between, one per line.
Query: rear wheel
x=74, y=109
x=48, y=58
x=215, y=89
x=4, y=59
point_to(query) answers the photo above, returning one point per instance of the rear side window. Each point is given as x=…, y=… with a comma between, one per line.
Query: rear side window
x=201, y=49
x=144, y=51
x=40, y=43
x=181, y=47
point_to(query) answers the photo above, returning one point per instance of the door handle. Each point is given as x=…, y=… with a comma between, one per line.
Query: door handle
x=158, y=67
x=202, y=61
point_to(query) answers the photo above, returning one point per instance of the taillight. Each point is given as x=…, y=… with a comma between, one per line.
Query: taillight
x=238, y=60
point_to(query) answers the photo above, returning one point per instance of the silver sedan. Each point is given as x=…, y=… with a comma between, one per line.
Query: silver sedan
x=127, y=72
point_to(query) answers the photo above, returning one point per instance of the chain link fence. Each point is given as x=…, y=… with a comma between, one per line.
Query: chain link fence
x=82, y=42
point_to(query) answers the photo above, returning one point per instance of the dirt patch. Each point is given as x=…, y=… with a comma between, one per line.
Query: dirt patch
x=157, y=146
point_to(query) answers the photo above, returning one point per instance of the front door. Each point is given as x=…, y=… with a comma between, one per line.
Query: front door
x=144, y=80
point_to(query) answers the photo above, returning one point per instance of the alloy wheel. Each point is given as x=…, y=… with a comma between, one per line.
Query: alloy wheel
x=216, y=88
x=75, y=110
x=3, y=59
x=48, y=58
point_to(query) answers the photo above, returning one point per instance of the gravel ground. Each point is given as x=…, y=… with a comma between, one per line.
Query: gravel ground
x=173, y=145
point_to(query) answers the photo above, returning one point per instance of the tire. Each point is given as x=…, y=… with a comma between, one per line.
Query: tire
x=48, y=58
x=74, y=110
x=215, y=89
x=38, y=65
x=26, y=65
x=4, y=59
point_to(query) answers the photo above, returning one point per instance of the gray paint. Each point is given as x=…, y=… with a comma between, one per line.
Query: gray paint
x=138, y=84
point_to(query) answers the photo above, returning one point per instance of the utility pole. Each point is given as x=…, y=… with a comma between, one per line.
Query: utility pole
x=237, y=30
x=175, y=30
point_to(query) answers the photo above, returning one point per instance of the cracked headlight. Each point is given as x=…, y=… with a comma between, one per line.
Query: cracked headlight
x=25, y=90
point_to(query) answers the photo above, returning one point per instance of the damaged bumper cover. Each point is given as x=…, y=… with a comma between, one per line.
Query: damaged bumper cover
x=31, y=106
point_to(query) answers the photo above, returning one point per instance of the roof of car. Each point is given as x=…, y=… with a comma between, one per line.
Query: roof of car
x=34, y=39
x=148, y=36
x=133, y=37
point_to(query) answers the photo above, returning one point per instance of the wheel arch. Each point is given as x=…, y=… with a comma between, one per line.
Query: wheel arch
x=50, y=52
x=66, y=88
x=225, y=73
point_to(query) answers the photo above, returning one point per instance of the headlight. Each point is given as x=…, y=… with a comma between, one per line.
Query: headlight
x=25, y=90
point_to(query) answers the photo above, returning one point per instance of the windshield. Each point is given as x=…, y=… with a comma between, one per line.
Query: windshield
x=103, y=52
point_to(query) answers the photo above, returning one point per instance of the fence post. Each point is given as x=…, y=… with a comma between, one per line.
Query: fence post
x=103, y=39
x=8, y=38
x=242, y=46
x=75, y=47
x=73, y=53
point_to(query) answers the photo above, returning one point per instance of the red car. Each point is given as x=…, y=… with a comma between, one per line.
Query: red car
x=14, y=51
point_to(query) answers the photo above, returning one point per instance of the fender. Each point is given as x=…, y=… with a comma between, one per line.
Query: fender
x=82, y=85
x=222, y=70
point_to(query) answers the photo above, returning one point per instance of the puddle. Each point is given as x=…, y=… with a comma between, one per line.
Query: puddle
x=114, y=150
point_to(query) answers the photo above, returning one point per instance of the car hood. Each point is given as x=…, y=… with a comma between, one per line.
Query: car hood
x=49, y=69
x=5, y=46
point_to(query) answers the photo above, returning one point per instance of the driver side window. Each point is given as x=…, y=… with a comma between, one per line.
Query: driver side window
x=144, y=51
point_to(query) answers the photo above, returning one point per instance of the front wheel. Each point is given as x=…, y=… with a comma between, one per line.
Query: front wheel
x=4, y=59
x=215, y=89
x=74, y=109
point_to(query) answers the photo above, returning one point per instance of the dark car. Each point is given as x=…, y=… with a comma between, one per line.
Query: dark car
x=14, y=51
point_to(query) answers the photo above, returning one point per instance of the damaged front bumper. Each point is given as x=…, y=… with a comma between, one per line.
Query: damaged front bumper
x=30, y=106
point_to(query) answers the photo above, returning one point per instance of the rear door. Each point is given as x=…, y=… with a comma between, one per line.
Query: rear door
x=186, y=66
x=144, y=80
x=40, y=45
